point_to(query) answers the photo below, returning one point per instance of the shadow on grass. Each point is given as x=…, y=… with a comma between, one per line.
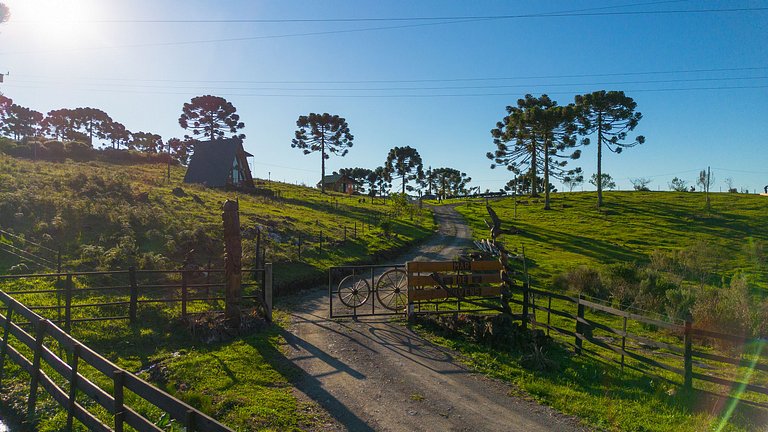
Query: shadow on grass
x=598, y=378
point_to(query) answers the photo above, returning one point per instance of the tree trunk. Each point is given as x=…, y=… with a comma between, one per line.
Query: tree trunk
x=403, y=184
x=534, y=177
x=599, y=160
x=546, y=173
x=233, y=251
x=322, y=162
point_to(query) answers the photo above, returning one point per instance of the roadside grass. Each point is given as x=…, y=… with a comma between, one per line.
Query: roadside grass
x=600, y=394
x=630, y=226
x=628, y=229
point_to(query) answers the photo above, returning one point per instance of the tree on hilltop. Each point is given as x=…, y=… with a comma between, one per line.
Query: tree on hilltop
x=404, y=162
x=147, y=142
x=609, y=115
x=60, y=124
x=211, y=117
x=448, y=181
x=358, y=175
x=21, y=122
x=606, y=181
x=92, y=122
x=536, y=136
x=326, y=133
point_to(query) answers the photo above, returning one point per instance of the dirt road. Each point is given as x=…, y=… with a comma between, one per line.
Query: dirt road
x=376, y=375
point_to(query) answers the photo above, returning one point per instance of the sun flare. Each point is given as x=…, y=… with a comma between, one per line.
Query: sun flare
x=54, y=22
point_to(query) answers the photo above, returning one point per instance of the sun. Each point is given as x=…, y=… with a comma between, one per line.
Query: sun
x=54, y=22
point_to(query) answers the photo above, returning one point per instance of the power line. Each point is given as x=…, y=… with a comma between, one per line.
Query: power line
x=678, y=80
x=405, y=96
x=454, y=20
x=679, y=71
x=450, y=19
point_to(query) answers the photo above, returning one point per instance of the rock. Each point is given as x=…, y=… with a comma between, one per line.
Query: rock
x=143, y=197
x=179, y=192
x=197, y=199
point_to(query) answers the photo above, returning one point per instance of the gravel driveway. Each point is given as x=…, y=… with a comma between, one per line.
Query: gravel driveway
x=375, y=374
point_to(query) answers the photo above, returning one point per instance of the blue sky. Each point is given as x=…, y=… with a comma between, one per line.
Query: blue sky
x=439, y=88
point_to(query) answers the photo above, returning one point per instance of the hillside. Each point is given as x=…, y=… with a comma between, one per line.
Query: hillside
x=107, y=216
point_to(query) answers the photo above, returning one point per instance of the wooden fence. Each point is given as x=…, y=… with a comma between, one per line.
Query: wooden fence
x=130, y=289
x=16, y=341
x=685, y=356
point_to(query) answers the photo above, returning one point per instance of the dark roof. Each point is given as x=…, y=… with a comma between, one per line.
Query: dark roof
x=333, y=178
x=212, y=161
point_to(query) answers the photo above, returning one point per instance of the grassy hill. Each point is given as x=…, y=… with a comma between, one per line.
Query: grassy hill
x=636, y=227
x=107, y=216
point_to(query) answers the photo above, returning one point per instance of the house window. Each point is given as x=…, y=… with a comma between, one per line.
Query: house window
x=237, y=174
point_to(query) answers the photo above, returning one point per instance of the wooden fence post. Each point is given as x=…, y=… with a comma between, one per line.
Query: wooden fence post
x=184, y=294
x=268, y=290
x=355, y=232
x=73, y=385
x=623, y=342
x=6, y=334
x=119, y=407
x=579, y=315
x=40, y=328
x=411, y=312
x=233, y=256
x=68, y=303
x=133, y=306
x=525, y=306
x=688, y=356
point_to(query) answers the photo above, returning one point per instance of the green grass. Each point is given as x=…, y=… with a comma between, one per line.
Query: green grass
x=629, y=228
x=109, y=217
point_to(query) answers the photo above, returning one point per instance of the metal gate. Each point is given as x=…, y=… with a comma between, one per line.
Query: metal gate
x=367, y=290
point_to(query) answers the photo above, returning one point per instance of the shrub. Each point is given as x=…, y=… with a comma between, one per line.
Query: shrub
x=582, y=280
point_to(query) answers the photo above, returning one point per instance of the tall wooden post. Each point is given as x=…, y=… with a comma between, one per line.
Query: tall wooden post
x=687, y=355
x=233, y=252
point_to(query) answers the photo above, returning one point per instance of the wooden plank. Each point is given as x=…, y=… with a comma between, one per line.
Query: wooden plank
x=80, y=413
x=136, y=421
x=621, y=313
x=721, y=336
x=455, y=280
x=552, y=295
x=554, y=312
x=729, y=360
x=729, y=383
x=444, y=266
x=631, y=354
x=439, y=293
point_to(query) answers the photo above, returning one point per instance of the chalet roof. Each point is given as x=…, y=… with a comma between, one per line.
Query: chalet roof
x=211, y=161
x=333, y=178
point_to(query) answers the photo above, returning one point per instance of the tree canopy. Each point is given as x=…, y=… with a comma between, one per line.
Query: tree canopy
x=610, y=116
x=536, y=136
x=211, y=117
x=5, y=13
x=404, y=162
x=20, y=122
x=447, y=181
x=326, y=133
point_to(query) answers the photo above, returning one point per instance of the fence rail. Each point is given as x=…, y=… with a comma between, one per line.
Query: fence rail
x=675, y=357
x=127, y=291
x=15, y=340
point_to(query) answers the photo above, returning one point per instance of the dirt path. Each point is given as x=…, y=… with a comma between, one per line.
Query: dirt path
x=375, y=374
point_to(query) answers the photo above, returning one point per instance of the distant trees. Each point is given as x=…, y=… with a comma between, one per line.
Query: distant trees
x=678, y=185
x=20, y=122
x=448, y=181
x=61, y=124
x=377, y=182
x=211, y=117
x=118, y=135
x=179, y=149
x=91, y=122
x=523, y=185
x=573, y=180
x=147, y=142
x=640, y=184
x=705, y=180
x=358, y=175
x=542, y=135
x=325, y=133
x=609, y=115
x=606, y=181
x=405, y=163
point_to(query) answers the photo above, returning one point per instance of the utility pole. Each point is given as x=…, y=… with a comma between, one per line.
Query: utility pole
x=169, y=161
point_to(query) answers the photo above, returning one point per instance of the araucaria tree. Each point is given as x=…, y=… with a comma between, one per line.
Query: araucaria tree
x=448, y=181
x=20, y=122
x=536, y=136
x=326, y=133
x=211, y=117
x=609, y=116
x=404, y=162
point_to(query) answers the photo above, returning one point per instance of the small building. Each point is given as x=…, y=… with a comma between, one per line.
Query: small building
x=220, y=163
x=338, y=183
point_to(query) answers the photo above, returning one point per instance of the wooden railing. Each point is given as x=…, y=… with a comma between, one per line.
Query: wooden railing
x=132, y=288
x=16, y=342
x=684, y=346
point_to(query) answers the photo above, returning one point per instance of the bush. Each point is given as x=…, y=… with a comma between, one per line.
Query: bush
x=726, y=310
x=582, y=280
